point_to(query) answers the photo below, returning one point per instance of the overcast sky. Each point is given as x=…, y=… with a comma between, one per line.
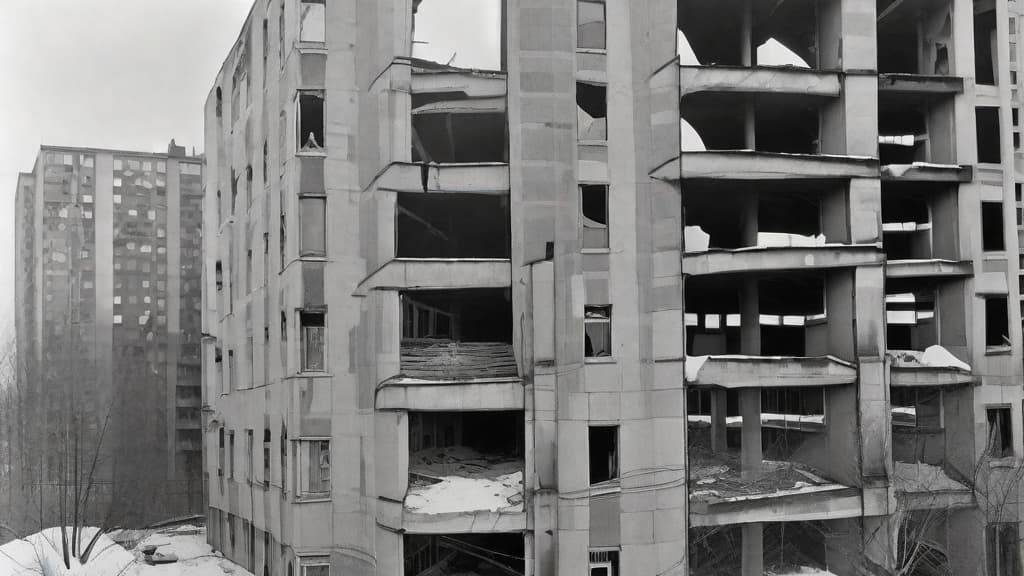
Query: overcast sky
x=126, y=74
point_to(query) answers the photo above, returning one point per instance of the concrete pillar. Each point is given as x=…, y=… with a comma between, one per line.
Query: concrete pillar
x=753, y=550
x=750, y=452
x=748, y=57
x=750, y=318
x=718, y=428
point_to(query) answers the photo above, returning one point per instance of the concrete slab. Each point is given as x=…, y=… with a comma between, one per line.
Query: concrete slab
x=928, y=268
x=924, y=172
x=463, y=522
x=769, y=259
x=438, y=273
x=758, y=80
x=909, y=376
x=829, y=502
x=751, y=165
x=920, y=84
x=473, y=178
x=733, y=372
x=482, y=394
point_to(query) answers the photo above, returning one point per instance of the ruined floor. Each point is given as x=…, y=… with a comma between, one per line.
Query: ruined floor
x=460, y=479
x=715, y=476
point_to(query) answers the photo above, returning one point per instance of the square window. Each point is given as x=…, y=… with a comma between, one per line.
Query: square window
x=594, y=203
x=597, y=326
x=603, y=443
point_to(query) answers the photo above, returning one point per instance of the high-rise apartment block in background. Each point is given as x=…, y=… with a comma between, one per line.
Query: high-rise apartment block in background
x=630, y=287
x=108, y=333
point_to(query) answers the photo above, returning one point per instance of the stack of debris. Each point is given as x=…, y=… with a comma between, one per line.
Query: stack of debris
x=460, y=479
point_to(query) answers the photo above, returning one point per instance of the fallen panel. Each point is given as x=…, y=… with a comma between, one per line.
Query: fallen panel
x=763, y=80
x=764, y=259
x=773, y=371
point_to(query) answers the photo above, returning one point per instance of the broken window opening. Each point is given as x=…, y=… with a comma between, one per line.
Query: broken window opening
x=906, y=224
x=604, y=563
x=470, y=315
x=597, y=331
x=912, y=40
x=313, y=334
x=603, y=442
x=787, y=124
x=1002, y=547
x=997, y=324
x=986, y=69
x=454, y=128
x=312, y=22
x=992, y=227
x=594, y=204
x=917, y=409
x=910, y=320
x=459, y=33
x=231, y=450
x=590, y=25
x=989, y=142
x=310, y=121
x=266, y=456
x=284, y=460
x=452, y=226
x=312, y=215
x=591, y=112
x=1000, y=431
x=314, y=468
x=219, y=274
x=468, y=554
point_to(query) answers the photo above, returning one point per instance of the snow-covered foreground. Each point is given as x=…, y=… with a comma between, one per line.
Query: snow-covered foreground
x=40, y=555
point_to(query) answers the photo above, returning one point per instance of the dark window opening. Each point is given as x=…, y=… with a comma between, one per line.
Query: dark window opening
x=1000, y=432
x=791, y=27
x=987, y=118
x=234, y=191
x=590, y=25
x=220, y=102
x=444, y=133
x=478, y=554
x=312, y=216
x=604, y=453
x=220, y=452
x=284, y=460
x=219, y=274
x=452, y=226
x=470, y=315
x=984, y=41
x=787, y=124
x=1002, y=547
x=266, y=455
x=597, y=328
x=906, y=228
x=594, y=203
x=992, y=227
x=910, y=320
x=491, y=435
x=312, y=327
x=902, y=130
x=916, y=408
x=997, y=323
x=591, y=111
x=311, y=122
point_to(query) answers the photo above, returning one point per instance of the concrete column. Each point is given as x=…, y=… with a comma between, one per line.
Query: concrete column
x=750, y=452
x=753, y=550
x=718, y=429
x=750, y=318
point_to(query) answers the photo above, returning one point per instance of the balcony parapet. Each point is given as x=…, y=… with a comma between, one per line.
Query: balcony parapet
x=758, y=258
x=438, y=274
x=752, y=165
x=734, y=371
x=758, y=80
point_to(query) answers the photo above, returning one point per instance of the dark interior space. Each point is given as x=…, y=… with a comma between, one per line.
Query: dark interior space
x=904, y=212
x=464, y=554
x=910, y=314
x=997, y=322
x=788, y=548
x=594, y=204
x=992, y=227
x=500, y=433
x=452, y=138
x=592, y=104
x=902, y=129
x=792, y=24
x=471, y=315
x=790, y=213
x=984, y=33
x=311, y=122
x=989, y=142
x=603, y=443
x=899, y=39
x=1000, y=431
x=452, y=226
x=782, y=123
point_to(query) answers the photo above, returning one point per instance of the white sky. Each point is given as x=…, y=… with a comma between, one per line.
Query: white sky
x=126, y=74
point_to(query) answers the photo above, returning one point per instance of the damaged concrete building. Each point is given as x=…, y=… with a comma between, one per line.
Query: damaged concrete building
x=108, y=285
x=645, y=288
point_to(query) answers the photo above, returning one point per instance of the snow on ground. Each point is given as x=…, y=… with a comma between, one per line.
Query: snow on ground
x=458, y=494
x=40, y=554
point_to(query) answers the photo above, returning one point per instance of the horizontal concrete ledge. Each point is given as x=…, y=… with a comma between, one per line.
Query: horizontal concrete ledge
x=937, y=499
x=494, y=105
x=761, y=259
x=829, y=502
x=920, y=84
x=924, y=172
x=438, y=274
x=463, y=522
x=926, y=268
x=472, y=178
x=475, y=394
x=910, y=376
x=472, y=83
x=752, y=165
x=774, y=371
x=758, y=80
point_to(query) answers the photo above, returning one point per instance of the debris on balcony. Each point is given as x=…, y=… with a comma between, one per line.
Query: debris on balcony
x=922, y=477
x=934, y=356
x=784, y=240
x=460, y=479
x=717, y=476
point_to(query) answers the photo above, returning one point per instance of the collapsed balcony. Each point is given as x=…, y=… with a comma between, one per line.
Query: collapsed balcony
x=920, y=221
x=464, y=555
x=452, y=226
x=457, y=334
x=771, y=33
x=915, y=37
x=465, y=462
x=788, y=549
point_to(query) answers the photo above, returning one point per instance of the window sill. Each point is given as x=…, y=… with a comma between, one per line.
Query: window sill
x=994, y=255
x=322, y=153
x=312, y=374
x=591, y=50
x=607, y=487
x=599, y=360
x=998, y=350
x=311, y=46
x=312, y=499
x=601, y=143
x=596, y=251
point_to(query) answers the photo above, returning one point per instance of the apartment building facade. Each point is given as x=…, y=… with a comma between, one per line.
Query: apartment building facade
x=522, y=287
x=108, y=335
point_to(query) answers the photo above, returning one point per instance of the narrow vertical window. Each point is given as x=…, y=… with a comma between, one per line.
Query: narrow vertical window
x=312, y=324
x=312, y=26
x=1000, y=432
x=992, y=227
x=249, y=455
x=231, y=460
x=313, y=224
x=597, y=327
x=592, y=111
x=266, y=456
x=310, y=121
x=284, y=460
x=590, y=24
x=220, y=453
x=997, y=324
x=248, y=186
x=604, y=453
x=315, y=469
x=594, y=203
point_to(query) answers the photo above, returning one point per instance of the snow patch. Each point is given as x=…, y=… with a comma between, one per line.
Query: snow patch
x=938, y=356
x=783, y=240
x=693, y=366
x=458, y=494
x=695, y=239
x=41, y=553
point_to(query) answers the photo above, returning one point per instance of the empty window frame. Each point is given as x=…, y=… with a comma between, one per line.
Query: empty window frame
x=220, y=453
x=312, y=326
x=309, y=113
x=314, y=467
x=249, y=455
x=604, y=563
x=231, y=371
x=312, y=217
x=992, y=227
x=987, y=125
x=423, y=321
x=220, y=102
x=266, y=455
x=1000, y=431
x=597, y=328
x=231, y=457
x=590, y=24
x=591, y=112
x=603, y=442
x=312, y=21
x=916, y=408
x=594, y=203
x=997, y=324
x=1002, y=549
x=219, y=275
x=280, y=34
x=315, y=566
